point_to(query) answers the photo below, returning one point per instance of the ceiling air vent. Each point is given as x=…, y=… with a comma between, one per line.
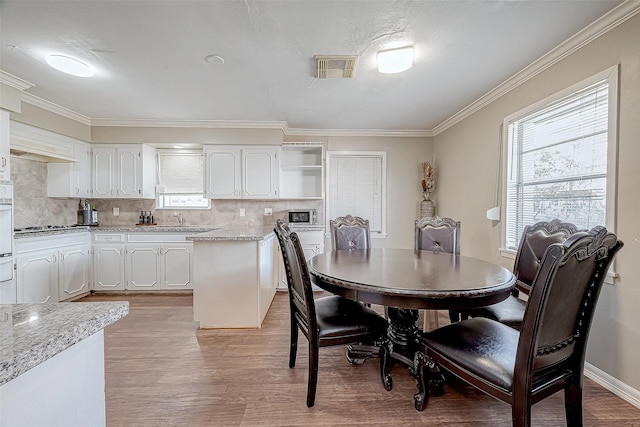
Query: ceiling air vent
x=335, y=66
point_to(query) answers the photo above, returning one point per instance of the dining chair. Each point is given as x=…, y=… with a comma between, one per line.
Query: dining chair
x=438, y=234
x=523, y=367
x=535, y=240
x=350, y=232
x=326, y=321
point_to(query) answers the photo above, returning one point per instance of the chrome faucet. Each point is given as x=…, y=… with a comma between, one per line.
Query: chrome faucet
x=179, y=217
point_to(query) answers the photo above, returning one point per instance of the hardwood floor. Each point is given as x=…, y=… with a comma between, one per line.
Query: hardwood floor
x=162, y=371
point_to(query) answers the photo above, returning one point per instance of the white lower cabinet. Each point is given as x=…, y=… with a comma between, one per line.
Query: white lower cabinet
x=36, y=273
x=73, y=271
x=142, y=261
x=142, y=267
x=52, y=268
x=108, y=262
x=176, y=261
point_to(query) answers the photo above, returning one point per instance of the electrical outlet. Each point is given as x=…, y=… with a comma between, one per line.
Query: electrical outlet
x=116, y=211
x=243, y=211
x=268, y=212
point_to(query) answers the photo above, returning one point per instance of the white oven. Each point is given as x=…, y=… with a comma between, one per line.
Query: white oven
x=6, y=231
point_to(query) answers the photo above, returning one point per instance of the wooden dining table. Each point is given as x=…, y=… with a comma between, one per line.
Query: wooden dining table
x=404, y=281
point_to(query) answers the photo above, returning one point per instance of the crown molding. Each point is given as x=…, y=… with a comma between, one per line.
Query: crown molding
x=604, y=24
x=13, y=81
x=607, y=22
x=206, y=124
x=55, y=108
x=402, y=133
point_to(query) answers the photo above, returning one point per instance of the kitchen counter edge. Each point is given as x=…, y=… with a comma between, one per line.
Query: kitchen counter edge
x=40, y=331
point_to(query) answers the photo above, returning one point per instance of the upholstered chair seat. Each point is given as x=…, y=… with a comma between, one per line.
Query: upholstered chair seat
x=326, y=321
x=523, y=367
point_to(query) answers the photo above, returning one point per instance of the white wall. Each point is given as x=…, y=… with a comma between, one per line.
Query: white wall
x=466, y=158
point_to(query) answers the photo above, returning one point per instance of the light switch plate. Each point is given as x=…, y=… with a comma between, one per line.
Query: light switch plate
x=243, y=211
x=268, y=211
x=116, y=211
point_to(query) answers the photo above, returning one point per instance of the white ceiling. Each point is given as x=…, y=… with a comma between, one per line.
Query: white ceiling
x=150, y=57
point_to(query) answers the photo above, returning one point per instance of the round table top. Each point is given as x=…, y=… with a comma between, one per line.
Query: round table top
x=411, y=279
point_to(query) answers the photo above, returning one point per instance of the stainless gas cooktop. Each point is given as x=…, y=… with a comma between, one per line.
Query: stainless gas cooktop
x=42, y=228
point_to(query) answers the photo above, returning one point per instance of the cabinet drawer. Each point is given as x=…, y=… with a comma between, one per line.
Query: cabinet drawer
x=157, y=237
x=113, y=238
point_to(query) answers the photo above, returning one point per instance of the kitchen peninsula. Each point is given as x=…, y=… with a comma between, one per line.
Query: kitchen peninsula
x=52, y=362
x=235, y=276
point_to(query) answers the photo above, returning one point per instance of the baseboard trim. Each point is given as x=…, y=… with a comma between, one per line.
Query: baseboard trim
x=612, y=384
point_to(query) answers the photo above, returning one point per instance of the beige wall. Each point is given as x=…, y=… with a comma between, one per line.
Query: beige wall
x=404, y=173
x=185, y=135
x=466, y=158
x=38, y=117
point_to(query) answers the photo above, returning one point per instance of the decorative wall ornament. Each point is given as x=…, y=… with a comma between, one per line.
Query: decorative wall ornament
x=427, y=208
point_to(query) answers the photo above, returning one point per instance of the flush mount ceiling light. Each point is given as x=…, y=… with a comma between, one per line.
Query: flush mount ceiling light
x=395, y=60
x=70, y=65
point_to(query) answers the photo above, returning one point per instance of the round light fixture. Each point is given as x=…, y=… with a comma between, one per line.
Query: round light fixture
x=393, y=61
x=69, y=65
x=214, y=59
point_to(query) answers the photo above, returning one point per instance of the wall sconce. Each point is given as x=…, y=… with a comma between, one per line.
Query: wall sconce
x=393, y=61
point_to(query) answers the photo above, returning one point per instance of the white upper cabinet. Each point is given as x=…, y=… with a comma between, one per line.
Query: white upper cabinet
x=301, y=170
x=222, y=176
x=234, y=172
x=4, y=146
x=71, y=179
x=123, y=171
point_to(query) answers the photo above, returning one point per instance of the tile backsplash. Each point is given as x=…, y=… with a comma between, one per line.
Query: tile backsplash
x=32, y=207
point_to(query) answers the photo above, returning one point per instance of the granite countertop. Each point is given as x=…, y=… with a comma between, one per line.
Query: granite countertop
x=50, y=232
x=157, y=228
x=258, y=232
x=32, y=333
x=118, y=229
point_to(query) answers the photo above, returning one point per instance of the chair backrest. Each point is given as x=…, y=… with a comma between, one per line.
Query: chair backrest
x=438, y=235
x=350, y=232
x=534, y=242
x=298, y=280
x=561, y=305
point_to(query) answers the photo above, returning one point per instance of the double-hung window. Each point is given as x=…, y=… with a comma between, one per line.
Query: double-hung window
x=561, y=158
x=181, y=179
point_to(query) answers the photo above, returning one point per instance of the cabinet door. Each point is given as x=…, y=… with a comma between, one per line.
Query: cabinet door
x=108, y=267
x=71, y=179
x=260, y=173
x=142, y=267
x=37, y=277
x=73, y=271
x=103, y=180
x=222, y=178
x=176, y=265
x=4, y=145
x=128, y=181
x=82, y=170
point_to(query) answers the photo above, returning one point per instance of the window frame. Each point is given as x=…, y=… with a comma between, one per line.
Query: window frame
x=383, y=187
x=611, y=75
x=159, y=202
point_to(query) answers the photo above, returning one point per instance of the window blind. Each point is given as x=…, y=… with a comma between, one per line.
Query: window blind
x=558, y=163
x=181, y=173
x=355, y=188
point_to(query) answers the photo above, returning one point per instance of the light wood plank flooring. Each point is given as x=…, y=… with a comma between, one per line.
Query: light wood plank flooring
x=162, y=371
